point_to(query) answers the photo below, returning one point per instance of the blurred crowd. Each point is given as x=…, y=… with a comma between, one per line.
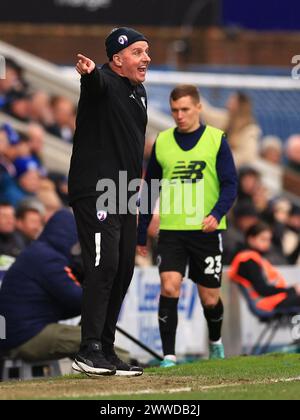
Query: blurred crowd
x=29, y=193
x=255, y=201
x=254, y=204
x=56, y=114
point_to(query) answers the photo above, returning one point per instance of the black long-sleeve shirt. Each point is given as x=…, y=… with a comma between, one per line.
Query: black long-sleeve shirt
x=226, y=172
x=251, y=271
x=110, y=132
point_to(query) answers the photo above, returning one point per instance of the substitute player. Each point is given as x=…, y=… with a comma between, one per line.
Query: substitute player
x=109, y=139
x=199, y=186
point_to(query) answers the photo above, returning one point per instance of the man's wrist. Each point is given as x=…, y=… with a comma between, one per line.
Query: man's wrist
x=91, y=73
x=216, y=215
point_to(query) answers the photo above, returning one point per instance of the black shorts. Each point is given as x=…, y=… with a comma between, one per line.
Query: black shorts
x=201, y=251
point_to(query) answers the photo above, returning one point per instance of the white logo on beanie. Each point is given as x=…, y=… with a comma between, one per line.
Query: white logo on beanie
x=123, y=39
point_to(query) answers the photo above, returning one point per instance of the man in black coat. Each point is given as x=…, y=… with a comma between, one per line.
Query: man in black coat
x=39, y=290
x=108, y=151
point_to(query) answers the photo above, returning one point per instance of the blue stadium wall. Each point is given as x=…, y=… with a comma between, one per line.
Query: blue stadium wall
x=262, y=14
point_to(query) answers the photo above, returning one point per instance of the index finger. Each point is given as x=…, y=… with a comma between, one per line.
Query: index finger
x=83, y=57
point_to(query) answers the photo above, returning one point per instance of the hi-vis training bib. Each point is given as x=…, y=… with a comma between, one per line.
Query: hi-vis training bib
x=190, y=186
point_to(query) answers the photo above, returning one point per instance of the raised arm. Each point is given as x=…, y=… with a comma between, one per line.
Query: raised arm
x=92, y=80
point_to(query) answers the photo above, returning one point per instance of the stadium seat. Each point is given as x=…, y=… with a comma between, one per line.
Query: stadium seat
x=275, y=320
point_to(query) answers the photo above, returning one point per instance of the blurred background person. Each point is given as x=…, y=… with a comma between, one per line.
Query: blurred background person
x=277, y=215
x=270, y=291
x=38, y=291
x=249, y=183
x=40, y=108
x=10, y=244
x=51, y=202
x=61, y=186
x=19, y=105
x=36, y=142
x=292, y=152
x=29, y=224
x=13, y=82
x=243, y=216
x=271, y=150
x=28, y=181
x=291, y=236
x=243, y=131
x=64, y=118
x=237, y=120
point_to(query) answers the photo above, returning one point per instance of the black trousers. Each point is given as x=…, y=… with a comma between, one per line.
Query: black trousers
x=108, y=253
x=291, y=302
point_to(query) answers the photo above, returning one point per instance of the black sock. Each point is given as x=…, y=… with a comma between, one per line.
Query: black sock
x=214, y=318
x=168, y=319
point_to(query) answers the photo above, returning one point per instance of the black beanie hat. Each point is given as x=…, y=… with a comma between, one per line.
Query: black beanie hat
x=121, y=38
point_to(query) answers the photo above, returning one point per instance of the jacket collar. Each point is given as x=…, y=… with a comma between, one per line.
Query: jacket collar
x=108, y=69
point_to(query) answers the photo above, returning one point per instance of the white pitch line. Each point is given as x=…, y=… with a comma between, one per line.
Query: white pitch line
x=266, y=382
x=169, y=391
x=297, y=379
x=153, y=391
x=141, y=392
x=189, y=389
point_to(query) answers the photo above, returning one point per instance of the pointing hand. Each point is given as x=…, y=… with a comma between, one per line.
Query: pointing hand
x=84, y=65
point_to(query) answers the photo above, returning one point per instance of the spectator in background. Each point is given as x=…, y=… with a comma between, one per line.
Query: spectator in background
x=40, y=109
x=28, y=174
x=13, y=82
x=36, y=142
x=251, y=189
x=292, y=151
x=291, y=238
x=56, y=114
x=249, y=182
x=242, y=130
x=50, y=201
x=21, y=149
x=211, y=115
x=17, y=144
x=61, y=186
x=4, y=145
x=19, y=105
x=244, y=216
x=28, y=179
x=8, y=147
x=9, y=242
x=271, y=150
x=29, y=223
x=64, y=118
x=251, y=269
x=293, y=221
x=276, y=215
x=4, y=142
x=38, y=291
x=12, y=135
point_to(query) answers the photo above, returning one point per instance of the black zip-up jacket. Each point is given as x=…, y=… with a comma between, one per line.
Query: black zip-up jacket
x=110, y=132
